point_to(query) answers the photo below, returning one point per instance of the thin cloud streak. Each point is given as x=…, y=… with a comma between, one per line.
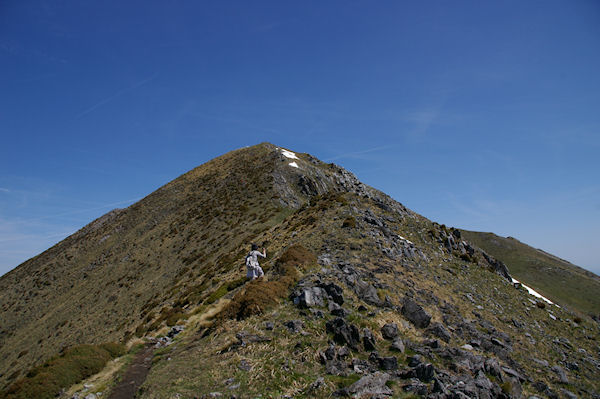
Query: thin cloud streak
x=77, y=211
x=32, y=237
x=356, y=153
x=116, y=95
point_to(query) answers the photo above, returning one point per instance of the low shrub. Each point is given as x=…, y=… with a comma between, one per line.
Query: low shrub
x=216, y=295
x=258, y=296
x=232, y=285
x=349, y=222
x=506, y=387
x=170, y=315
x=175, y=317
x=72, y=366
x=468, y=258
x=114, y=349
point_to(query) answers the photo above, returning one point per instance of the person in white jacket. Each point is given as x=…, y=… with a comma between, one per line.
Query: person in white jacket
x=253, y=269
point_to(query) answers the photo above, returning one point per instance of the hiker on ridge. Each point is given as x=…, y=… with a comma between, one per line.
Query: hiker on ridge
x=252, y=266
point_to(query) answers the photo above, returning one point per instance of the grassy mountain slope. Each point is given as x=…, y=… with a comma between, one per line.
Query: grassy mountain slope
x=551, y=276
x=117, y=274
x=178, y=254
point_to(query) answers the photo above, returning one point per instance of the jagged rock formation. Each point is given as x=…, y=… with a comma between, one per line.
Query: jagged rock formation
x=361, y=297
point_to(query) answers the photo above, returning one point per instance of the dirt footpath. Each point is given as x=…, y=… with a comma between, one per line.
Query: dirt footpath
x=135, y=375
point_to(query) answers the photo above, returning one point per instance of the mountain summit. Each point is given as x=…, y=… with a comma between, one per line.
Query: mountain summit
x=361, y=297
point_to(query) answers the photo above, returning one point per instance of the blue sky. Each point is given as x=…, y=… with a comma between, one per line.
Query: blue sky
x=481, y=115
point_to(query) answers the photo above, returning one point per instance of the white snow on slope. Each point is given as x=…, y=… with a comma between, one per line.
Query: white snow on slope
x=294, y=164
x=534, y=292
x=408, y=241
x=288, y=154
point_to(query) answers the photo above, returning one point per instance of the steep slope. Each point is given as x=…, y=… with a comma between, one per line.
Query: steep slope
x=347, y=268
x=555, y=278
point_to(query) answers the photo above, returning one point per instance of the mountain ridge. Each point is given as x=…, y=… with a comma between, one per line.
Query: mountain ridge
x=556, y=278
x=176, y=255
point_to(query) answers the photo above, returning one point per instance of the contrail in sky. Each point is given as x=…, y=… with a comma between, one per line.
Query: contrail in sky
x=117, y=94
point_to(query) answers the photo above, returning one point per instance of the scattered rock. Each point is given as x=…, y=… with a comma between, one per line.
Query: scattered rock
x=294, y=326
x=368, y=340
x=389, y=331
x=540, y=386
x=417, y=387
x=244, y=338
x=388, y=363
x=415, y=313
x=244, y=365
x=340, y=312
x=398, y=345
x=515, y=387
x=174, y=331
x=438, y=330
x=335, y=367
x=439, y=387
x=414, y=361
x=496, y=265
x=309, y=297
x=432, y=343
x=162, y=342
x=344, y=333
x=372, y=385
x=512, y=373
x=319, y=382
x=425, y=372
x=482, y=382
x=561, y=373
x=543, y=363
x=361, y=366
x=568, y=394
x=367, y=292
x=335, y=292
x=492, y=367
x=573, y=366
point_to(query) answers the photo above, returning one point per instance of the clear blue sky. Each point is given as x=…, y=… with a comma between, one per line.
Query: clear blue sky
x=477, y=114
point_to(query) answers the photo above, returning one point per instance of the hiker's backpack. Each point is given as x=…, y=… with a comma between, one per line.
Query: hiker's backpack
x=249, y=261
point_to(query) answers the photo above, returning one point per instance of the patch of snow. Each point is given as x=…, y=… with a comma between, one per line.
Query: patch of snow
x=534, y=292
x=408, y=241
x=552, y=316
x=294, y=164
x=288, y=154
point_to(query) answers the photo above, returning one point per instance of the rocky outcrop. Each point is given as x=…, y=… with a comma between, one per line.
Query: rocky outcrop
x=314, y=293
x=371, y=386
x=415, y=313
x=343, y=332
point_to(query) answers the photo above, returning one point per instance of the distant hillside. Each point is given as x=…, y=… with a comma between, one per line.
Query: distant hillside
x=551, y=276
